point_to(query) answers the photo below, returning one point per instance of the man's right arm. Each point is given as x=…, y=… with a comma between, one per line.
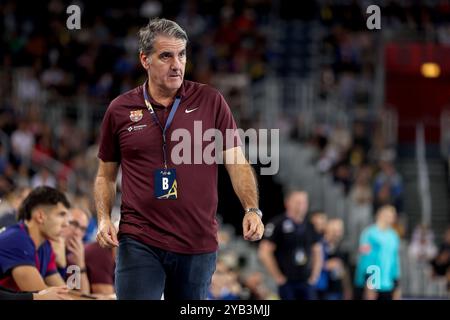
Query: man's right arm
x=266, y=255
x=28, y=278
x=104, y=194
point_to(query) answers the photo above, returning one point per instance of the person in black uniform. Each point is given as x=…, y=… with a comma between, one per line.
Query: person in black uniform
x=291, y=250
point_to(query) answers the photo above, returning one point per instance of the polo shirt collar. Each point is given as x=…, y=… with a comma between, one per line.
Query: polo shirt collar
x=180, y=93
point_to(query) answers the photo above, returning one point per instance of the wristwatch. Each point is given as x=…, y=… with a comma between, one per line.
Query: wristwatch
x=255, y=210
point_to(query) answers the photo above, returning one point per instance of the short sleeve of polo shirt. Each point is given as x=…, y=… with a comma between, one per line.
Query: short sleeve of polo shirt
x=15, y=250
x=109, y=146
x=226, y=124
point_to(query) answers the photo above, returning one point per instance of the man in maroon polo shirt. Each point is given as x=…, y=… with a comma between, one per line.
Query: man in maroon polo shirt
x=168, y=228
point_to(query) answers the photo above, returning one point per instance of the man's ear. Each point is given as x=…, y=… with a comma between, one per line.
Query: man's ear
x=145, y=60
x=39, y=215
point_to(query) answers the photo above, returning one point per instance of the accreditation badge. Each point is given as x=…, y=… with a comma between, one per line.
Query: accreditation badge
x=300, y=257
x=165, y=184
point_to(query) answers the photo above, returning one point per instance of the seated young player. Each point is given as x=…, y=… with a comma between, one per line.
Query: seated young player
x=27, y=261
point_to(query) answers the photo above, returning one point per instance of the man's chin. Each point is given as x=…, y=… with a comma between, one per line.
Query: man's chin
x=175, y=83
x=54, y=237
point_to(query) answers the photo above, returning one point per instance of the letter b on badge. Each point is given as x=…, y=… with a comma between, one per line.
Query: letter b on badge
x=165, y=184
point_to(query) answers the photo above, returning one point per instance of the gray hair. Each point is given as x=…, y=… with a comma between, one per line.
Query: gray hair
x=159, y=27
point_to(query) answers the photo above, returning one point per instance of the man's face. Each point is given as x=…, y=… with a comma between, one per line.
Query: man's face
x=54, y=220
x=77, y=226
x=388, y=215
x=335, y=230
x=167, y=63
x=319, y=220
x=297, y=204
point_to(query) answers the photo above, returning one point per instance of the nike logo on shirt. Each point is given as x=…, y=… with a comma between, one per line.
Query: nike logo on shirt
x=189, y=111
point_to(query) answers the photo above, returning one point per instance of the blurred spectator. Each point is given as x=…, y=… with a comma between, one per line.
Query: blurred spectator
x=69, y=249
x=334, y=282
x=22, y=176
x=422, y=248
x=254, y=283
x=319, y=221
x=388, y=186
x=341, y=138
x=329, y=153
x=377, y=273
x=150, y=9
x=22, y=142
x=191, y=20
x=43, y=178
x=361, y=137
x=9, y=206
x=4, y=161
x=28, y=88
x=291, y=250
x=421, y=251
x=224, y=284
x=441, y=263
x=361, y=192
x=44, y=145
x=342, y=175
x=360, y=211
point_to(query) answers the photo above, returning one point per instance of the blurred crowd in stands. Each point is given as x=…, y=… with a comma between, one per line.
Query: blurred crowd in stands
x=43, y=62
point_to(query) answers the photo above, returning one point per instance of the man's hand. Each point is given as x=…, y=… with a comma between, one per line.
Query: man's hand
x=280, y=280
x=53, y=293
x=59, y=248
x=107, y=234
x=76, y=248
x=312, y=280
x=252, y=226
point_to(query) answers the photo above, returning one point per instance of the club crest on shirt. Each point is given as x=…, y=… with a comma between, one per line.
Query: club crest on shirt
x=288, y=226
x=136, y=115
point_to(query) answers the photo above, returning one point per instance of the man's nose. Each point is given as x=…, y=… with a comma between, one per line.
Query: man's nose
x=176, y=64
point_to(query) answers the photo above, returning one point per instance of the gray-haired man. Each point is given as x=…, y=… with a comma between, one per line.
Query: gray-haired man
x=168, y=230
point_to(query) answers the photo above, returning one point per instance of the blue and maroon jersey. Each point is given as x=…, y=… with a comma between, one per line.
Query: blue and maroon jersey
x=18, y=249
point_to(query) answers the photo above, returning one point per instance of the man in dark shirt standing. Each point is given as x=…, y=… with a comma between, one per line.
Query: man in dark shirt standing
x=291, y=250
x=168, y=229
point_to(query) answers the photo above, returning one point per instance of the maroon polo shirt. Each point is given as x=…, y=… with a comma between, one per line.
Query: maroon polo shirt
x=100, y=264
x=187, y=224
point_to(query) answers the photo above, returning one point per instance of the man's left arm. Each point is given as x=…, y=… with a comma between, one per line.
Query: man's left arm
x=244, y=184
x=317, y=263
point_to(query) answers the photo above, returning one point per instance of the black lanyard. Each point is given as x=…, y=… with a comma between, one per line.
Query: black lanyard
x=175, y=105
